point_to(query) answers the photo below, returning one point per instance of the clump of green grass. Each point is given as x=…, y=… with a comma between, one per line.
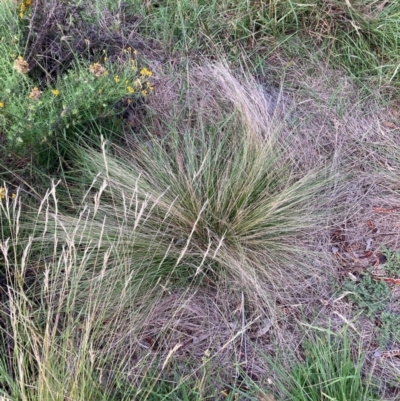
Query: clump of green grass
x=329, y=370
x=218, y=196
x=362, y=36
x=54, y=335
x=71, y=330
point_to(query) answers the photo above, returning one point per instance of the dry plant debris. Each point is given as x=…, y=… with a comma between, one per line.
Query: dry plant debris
x=21, y=65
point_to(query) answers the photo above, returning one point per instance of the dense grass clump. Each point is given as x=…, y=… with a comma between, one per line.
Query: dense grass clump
x=329, y=370
x=221, y=195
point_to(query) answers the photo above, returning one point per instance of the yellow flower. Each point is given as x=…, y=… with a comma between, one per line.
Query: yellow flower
x=144, y=92
x=55, y=92
x=35, y=94
x=100, y=90
x=116, y=79
x=130, y=89
x=97, y=70
x=3, y=193
x=146, y=72
x=1, y=105
x=138, y=83
x=21, y=65
x=23, y=7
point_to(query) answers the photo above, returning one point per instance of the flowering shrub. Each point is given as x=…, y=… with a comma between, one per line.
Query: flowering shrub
x=24, y=8
x=33, y=115
x=50, y=95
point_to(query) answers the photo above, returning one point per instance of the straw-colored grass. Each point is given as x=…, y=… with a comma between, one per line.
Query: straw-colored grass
x=220, y=196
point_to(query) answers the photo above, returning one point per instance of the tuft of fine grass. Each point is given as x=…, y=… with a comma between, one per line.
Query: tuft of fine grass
x=77, y=328
x=330, y=370
x=217, y=193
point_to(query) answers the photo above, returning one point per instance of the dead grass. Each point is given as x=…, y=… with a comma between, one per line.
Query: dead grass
x=209, y=328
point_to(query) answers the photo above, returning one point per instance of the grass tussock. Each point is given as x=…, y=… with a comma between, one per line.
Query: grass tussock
x=217, y=196
x=86, y=329
x=221, y=195
x=331, y=368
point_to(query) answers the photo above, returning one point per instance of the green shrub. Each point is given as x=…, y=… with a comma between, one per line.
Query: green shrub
x=44, y=111
x=35, y=119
